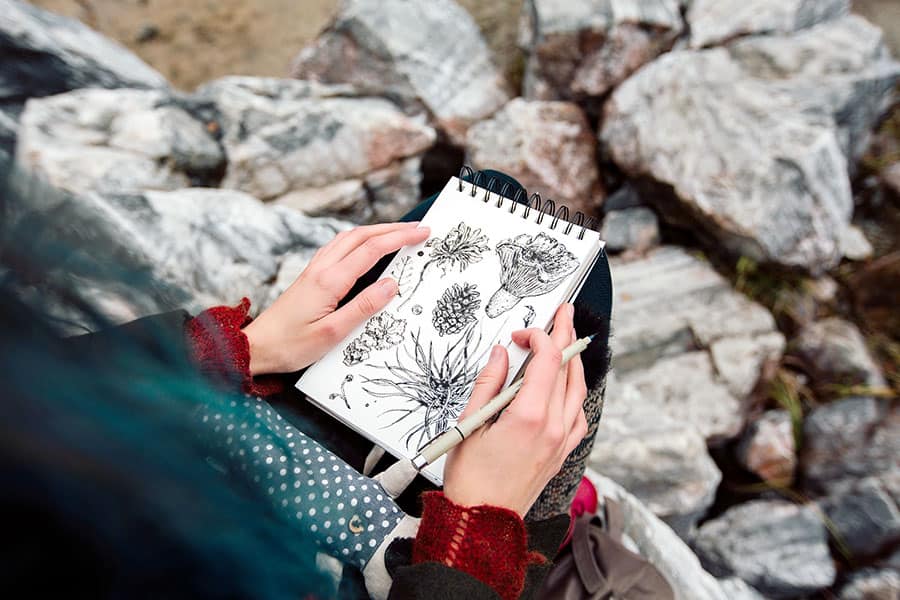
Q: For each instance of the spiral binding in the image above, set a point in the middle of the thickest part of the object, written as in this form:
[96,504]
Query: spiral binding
[545,207]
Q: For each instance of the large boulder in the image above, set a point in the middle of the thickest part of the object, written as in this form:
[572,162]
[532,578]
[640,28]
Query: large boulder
[111,141]
[752,141]
[42,54]
[714,22]
[660,545]
[847,440]
[656,457]
[872,584]
[834,351]
[422,55]
[319,148]
[778,547]
[842,68]
[547,146]
[681,331]
[189,248]
[762,178]
[587,47]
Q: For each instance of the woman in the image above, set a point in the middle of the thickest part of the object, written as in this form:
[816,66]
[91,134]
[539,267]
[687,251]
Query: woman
[109,449]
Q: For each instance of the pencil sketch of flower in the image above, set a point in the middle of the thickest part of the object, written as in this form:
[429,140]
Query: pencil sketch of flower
[382,331]
[343,393]
[529,316]
[461,247]
[402,273]
[529,266]
[435,384]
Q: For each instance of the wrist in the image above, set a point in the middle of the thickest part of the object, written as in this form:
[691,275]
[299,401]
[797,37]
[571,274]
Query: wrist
[263,352]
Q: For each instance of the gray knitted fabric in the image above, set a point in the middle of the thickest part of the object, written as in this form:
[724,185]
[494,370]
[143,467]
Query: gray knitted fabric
[559,492]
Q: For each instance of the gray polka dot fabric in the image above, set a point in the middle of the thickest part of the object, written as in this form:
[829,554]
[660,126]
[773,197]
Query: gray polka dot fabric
[319,495]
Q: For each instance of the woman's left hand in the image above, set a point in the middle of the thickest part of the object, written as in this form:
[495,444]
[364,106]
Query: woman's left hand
[304,322]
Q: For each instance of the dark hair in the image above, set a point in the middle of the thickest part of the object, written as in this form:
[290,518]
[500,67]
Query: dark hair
[104,476]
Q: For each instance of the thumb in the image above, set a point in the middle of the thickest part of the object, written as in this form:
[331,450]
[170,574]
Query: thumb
[489,382]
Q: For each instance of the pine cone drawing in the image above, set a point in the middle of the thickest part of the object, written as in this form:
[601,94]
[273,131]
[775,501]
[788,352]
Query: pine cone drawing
[456,308]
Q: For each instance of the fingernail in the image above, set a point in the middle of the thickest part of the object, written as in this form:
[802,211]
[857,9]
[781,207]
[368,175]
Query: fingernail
[411,223]
[388,287]
[495,353]
[570,308]
[424,228]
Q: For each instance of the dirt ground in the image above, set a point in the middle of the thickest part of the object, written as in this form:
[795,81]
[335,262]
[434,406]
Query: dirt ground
[193,41]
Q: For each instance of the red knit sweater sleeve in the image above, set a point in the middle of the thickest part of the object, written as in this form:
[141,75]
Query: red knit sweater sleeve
[221,350]
[487,542]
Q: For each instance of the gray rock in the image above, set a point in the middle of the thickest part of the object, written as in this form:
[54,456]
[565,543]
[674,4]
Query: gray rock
[779,548]
[635,229]
[42,54]
[547,146]
[661,546]
[737,589]
[717,21]
[854,244]
[834,351]
[872,584]
[680,328]
[842,68]
[865,517]
[317,146]
[759,175]
[9,124]
[659,459]
[113,141]
[587,47]
[768,448]
[891,178]
[195,247]
[421,55]
[847,440]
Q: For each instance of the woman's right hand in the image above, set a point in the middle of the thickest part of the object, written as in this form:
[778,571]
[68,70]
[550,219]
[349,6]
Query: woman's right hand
[508,463]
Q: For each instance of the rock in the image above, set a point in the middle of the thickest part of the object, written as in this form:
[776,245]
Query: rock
[834,351]
[661,546]
[736,588]
[841,68]
[865,518]
[741,359]
[872,584]
[763,178]
[547,146]
[671,310]
[779,548]
[624,197]
[847,440]
[716,21]
[854,244]
[635,229]
[768,449]
[45,54]
[118,141]
[587,47]
[660,460]
[195,247]
[9,124]
[440,64]
[319,149]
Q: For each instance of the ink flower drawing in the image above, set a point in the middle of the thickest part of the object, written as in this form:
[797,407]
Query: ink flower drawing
[462,246]
[383,331]
[456,308]
[529,266]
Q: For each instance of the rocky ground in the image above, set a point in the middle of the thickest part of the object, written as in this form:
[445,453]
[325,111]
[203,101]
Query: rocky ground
[743,157]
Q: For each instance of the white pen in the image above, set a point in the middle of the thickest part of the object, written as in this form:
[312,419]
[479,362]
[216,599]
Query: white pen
[456,434]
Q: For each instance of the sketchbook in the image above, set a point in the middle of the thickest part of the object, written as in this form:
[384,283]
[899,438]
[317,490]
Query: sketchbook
[491,266]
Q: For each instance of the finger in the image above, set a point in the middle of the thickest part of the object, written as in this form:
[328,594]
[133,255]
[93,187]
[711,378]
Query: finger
[576,391]
[345,241]
[370,251]
[576,434]
[531,403]
[489,382]
[561,336]
[522,337]
[341,322]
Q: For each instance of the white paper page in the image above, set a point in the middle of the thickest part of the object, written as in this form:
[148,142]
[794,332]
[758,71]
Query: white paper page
[405,375]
